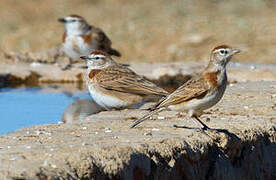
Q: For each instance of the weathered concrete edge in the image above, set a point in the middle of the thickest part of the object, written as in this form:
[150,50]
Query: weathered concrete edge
[224,156]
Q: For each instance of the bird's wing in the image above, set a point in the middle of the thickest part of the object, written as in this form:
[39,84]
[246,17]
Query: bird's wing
[99,37]
[194,88]
[122,79]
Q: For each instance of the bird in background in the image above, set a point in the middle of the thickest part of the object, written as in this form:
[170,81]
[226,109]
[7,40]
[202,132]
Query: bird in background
[80,38]
[114,86]
[201,92]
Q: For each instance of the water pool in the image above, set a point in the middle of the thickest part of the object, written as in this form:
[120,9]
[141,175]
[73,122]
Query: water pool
[33,106]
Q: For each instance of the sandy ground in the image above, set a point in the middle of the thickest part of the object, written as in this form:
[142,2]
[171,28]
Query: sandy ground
[148,31]
[104,146]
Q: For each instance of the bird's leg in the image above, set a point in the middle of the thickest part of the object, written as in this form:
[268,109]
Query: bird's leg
[198,121]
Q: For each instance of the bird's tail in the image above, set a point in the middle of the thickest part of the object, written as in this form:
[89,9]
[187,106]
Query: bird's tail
[114,52]
[146,117]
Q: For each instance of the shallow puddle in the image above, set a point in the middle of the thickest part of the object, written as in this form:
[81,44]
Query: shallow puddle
[33,106]
[23,107]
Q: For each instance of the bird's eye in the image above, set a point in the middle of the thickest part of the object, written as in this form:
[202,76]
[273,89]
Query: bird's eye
[97,58]
[73,20]
[222,51]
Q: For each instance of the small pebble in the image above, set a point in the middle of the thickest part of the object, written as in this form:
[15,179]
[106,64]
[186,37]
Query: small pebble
[160,117]
[245,107]
[107,130]
[148,134]
[28,147]
[155,129]
[38,132]
[53,166]
[84,128]
[12,159]
[96,133]
[52,149]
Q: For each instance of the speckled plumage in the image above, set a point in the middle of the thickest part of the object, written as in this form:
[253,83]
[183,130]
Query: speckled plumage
[201,92]
[114,86]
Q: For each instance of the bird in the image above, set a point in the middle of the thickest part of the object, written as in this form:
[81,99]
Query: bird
[114,86]
[200,92]
[80,38]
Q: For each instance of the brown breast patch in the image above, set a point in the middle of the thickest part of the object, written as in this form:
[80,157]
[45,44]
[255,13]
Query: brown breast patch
[63,37]
[93,73]
[87,38]
[211,78]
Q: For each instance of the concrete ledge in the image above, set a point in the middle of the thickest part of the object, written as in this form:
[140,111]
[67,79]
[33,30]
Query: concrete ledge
[103,147]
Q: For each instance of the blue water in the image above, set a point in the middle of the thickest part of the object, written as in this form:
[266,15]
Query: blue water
[33,106]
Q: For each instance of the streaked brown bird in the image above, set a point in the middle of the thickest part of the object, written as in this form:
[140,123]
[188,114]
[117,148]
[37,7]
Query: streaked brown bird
[114,86]
[201,92]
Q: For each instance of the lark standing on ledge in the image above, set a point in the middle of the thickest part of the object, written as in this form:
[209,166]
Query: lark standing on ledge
[200,92]
[80,38]
[114,86]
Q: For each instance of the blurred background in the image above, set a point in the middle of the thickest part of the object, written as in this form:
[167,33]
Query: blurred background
[148,31]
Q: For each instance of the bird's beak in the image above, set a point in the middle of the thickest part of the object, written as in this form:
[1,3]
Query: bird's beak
[62,20]
[84,57]
[235,51]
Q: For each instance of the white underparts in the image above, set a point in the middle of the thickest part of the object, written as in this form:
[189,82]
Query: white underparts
[75,46]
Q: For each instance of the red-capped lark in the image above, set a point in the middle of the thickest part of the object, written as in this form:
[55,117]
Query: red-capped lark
[114,86]
[201,92]
[80,38]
